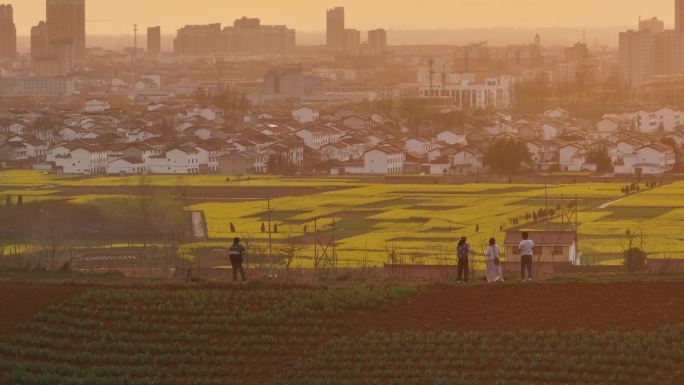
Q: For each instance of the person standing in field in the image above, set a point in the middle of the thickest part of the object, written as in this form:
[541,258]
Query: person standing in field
[463,254]
[526,251]
[237,257]
[492,254]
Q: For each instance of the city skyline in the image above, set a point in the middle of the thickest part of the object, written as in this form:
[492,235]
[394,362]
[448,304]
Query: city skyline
[108,18]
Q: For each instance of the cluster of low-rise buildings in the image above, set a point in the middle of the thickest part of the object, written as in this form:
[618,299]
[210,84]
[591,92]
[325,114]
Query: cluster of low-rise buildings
[342,141]
[232,100]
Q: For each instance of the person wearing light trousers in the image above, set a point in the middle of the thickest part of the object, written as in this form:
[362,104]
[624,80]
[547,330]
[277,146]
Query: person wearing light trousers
[493,255]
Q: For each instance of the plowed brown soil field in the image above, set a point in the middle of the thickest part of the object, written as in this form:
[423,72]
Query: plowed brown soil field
[19,302]
[537,306]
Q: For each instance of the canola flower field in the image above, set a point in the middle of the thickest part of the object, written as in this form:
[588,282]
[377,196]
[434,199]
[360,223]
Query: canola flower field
[422,222]
[417,223]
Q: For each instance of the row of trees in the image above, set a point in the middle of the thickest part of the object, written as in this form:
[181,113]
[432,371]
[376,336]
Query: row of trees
[540,215]
[636,187]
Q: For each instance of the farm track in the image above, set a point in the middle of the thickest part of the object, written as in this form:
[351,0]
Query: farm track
[606,205]
[199,193]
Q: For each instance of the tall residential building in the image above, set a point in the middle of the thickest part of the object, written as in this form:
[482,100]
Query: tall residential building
[377,41]
[58,62]
[352,40]
[335,28]
[198,39]
[66,19]
[652,25]
[645,54]
[62,52]
[637,54]
[40,41]
[652,53]
[8,32]
[248,35]
[154,40]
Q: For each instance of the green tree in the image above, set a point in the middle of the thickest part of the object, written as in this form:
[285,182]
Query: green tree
[634,255]
[505,156]
[601,158]
[669,141]
[46,124]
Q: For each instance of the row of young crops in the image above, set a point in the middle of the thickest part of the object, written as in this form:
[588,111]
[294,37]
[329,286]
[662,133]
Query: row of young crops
[140,336]
[526,358]
[302,337]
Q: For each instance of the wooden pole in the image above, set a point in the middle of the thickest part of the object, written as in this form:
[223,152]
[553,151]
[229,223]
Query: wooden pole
[546,198]
[315,244]
[270,244]
[334,253]
[576,227]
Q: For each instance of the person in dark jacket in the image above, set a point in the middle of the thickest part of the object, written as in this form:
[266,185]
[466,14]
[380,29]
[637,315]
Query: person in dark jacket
[463,254]
[237,257]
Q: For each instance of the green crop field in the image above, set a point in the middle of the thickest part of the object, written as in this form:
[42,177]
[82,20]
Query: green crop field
[580,357]
[314,336]
[416,223]
[198,337]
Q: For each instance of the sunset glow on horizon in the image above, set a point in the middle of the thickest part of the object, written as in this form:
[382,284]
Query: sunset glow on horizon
[116,17]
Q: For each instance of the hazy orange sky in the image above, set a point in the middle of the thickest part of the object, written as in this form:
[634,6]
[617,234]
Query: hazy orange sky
[362,14]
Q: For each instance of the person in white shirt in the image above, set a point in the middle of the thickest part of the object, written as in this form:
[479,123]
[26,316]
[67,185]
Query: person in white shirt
[492,254]
[526,251]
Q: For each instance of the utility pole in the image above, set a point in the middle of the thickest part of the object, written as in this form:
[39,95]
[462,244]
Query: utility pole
[135,52]
[334,252]
[576,225]
[316,244]
[431,74]
[270,243]
[546,198]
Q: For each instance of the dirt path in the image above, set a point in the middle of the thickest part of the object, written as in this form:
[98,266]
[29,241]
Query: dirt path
[203,193]
[606,205]
[198,225]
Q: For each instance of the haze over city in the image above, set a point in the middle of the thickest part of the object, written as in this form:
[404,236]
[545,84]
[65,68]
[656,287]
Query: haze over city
[305,15]
[308,192]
